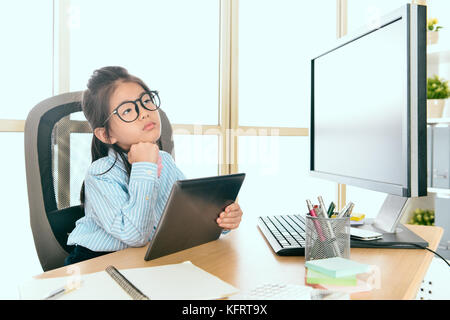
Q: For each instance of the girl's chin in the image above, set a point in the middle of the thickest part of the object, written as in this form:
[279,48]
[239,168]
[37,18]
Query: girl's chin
[147,138]
[150,137]
[155,133]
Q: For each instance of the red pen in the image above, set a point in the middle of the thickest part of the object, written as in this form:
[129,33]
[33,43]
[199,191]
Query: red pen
[311,210]
[316,223]
[316,209]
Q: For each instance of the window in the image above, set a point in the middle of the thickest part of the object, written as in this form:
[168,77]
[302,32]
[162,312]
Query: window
[26,56]
[172,45]
[26,62]
[277,179]
[277,39]
[20,261]
[196,155]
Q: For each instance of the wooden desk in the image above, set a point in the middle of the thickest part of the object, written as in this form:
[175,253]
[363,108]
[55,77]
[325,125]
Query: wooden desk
[244,259]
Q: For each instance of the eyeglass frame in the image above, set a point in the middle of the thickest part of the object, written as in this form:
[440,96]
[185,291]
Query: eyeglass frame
[152,93]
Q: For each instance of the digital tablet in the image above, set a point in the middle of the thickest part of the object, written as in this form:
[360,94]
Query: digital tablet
[190,214]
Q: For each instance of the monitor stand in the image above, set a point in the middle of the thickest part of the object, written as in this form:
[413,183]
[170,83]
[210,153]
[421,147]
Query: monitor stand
[395,234]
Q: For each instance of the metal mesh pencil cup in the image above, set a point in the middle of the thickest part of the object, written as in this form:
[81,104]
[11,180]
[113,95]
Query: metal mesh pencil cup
[327,238]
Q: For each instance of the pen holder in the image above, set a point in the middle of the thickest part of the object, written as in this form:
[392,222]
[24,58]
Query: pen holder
[327,238]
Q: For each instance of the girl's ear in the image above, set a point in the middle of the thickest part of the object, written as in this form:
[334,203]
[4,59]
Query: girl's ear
[101,135]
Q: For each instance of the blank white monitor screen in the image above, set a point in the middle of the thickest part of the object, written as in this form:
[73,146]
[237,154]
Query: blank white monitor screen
[360,98]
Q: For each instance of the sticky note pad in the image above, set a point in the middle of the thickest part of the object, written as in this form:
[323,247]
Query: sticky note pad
[357,216]
[337,267]
[314,277]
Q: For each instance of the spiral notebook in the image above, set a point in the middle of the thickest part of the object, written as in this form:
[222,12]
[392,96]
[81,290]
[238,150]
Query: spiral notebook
[174,282]
[125,284]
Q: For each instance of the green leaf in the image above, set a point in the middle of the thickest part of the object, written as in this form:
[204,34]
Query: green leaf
[437,88]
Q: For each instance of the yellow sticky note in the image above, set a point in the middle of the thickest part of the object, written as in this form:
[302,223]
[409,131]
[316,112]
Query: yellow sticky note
[357,216]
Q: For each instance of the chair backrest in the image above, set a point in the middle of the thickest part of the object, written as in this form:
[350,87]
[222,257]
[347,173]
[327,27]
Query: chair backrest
[57,156]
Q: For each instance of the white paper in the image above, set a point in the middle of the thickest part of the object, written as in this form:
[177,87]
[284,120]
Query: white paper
[175,281]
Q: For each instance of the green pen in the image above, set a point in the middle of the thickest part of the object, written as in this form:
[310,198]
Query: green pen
[331,209]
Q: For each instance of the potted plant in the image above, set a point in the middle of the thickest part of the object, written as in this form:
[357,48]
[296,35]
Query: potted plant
[437,92]
[432,31]
[424,217]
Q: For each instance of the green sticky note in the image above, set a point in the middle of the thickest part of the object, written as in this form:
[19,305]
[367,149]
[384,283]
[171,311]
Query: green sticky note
[314,277]
[337,267]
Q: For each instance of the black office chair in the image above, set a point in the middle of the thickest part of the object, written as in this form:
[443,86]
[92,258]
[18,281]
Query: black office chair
[57,156]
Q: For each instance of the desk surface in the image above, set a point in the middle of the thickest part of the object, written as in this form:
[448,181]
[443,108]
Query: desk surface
[244,259]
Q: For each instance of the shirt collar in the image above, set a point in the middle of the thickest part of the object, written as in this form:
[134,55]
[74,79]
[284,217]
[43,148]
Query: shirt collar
[112,155]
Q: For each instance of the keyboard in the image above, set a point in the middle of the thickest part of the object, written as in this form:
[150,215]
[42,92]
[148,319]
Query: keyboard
[285,233]
[278,291]
[282,291]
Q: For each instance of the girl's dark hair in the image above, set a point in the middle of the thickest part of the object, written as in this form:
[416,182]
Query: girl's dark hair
[95,104]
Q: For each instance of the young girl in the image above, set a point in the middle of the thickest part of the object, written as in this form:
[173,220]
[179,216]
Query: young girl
[129,181]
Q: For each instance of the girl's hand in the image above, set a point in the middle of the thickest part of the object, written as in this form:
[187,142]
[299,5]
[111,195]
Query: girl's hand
[231,217]
[143,152]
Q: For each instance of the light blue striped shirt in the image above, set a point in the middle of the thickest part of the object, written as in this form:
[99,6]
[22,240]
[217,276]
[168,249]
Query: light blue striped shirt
[122,211]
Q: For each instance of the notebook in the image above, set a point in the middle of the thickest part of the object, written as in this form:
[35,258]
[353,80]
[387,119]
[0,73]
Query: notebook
[174,281]
[337,267]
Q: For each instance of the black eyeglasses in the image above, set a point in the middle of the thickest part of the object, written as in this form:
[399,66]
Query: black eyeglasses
[128,111]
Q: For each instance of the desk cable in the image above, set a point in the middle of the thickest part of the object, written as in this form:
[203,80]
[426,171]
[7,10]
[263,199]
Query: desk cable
[399,245]
[445,260]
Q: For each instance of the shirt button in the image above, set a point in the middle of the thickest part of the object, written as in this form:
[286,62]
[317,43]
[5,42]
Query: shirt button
[149,172]
[146,198]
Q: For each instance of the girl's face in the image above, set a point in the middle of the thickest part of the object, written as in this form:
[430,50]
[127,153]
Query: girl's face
[146,128]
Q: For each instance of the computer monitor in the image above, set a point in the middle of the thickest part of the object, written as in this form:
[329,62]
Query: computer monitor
[368,111]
